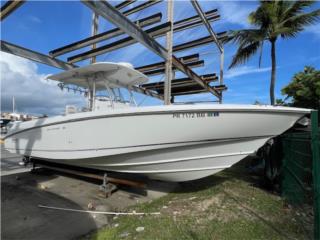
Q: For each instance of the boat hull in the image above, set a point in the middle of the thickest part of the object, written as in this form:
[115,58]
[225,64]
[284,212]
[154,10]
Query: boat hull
[182,163]
[173,144]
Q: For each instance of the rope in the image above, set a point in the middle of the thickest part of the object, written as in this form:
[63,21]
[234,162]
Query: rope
[99,212]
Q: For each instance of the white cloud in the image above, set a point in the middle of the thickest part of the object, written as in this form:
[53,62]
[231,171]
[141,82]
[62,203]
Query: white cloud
[244,70]
[236,12]
[34,19]
[314,29]
[33,94]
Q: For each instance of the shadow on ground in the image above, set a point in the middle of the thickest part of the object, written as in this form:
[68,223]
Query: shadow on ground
[238,171]
[21,217]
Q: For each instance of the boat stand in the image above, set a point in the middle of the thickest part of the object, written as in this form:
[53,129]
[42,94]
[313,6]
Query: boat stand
[108,186]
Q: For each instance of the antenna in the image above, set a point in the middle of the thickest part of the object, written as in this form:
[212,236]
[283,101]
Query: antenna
[13,104]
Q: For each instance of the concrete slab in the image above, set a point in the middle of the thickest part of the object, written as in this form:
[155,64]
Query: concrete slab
[22,192]
[10,163]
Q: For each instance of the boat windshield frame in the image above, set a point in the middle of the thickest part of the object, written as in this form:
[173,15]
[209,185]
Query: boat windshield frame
[111,94]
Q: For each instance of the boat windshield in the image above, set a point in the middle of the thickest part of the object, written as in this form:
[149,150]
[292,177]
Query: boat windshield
[119,95]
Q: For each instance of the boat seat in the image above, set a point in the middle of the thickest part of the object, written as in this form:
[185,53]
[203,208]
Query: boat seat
[70,109]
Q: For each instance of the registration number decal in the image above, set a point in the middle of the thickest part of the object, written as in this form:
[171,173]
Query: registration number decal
[195,114]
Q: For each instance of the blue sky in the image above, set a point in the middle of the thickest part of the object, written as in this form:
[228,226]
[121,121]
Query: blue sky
[46,25]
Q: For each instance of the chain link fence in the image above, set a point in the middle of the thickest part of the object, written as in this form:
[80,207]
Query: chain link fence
[301,174]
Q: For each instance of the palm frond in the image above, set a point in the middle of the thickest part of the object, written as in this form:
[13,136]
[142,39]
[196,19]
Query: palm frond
[296,24]
[244,36]
[303,19]
[294,8]
[260,55]
[244,52]
[285,32]
[261,16]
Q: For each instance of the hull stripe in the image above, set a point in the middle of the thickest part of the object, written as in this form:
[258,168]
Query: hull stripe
[147,145]
[174,170]
[174,160]
[266,111]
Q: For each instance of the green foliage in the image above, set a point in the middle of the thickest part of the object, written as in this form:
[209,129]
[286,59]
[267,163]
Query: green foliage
[281,102]
[304,89]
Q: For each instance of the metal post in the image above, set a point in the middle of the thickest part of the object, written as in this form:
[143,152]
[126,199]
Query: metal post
[167,85]
[94,31]
[173,77]
[315,146]
[215,38]
[221,72]
[89,98]
[93,95]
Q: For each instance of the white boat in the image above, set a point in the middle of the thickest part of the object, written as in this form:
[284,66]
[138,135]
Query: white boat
[171,143]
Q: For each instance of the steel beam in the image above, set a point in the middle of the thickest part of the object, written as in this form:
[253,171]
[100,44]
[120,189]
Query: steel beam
[141,7]
[197,42]
[182,67]
[155,66]
[180,82]
[34,56]
[163,70]
[191,24]
[107,11]
[143,22]
[213,12]
[214,36]
[168,64]
[154,32]
[124,4]
[221,72]
[9,7]
[178,26]
[114,32]
[94,31]
[178,91]
[147,92]
[196,91]
[184,86]
[207,24]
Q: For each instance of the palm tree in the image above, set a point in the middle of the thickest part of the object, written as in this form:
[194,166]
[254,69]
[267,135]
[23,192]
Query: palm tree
[272,19]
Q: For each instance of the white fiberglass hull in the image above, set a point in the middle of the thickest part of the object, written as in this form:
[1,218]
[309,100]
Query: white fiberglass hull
[175,143]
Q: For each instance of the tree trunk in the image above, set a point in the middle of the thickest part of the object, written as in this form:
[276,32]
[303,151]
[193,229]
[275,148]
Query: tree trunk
[273,71]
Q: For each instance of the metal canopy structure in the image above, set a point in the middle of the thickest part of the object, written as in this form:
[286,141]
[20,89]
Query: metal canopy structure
[118,15]
[182,86]
[9,7]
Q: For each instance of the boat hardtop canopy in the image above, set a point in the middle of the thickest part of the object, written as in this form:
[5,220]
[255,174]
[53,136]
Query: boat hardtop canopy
[115,75]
